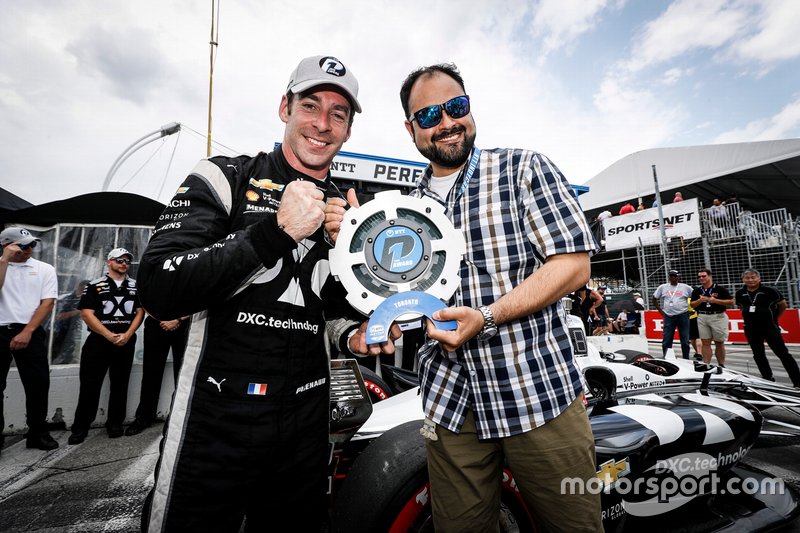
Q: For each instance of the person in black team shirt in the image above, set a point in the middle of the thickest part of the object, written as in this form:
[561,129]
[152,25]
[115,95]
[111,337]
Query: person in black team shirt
[761,307]
[159,337]
[110,308]
[710,300]
[242,249]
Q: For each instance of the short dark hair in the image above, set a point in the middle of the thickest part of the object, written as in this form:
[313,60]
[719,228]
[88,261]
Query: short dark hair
[290,97]
[450,69]
[706,270]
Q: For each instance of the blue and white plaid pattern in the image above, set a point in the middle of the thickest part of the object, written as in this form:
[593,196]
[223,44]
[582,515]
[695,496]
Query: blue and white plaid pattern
[518,210]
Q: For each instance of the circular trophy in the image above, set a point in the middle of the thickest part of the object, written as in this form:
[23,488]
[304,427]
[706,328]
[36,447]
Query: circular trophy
[398,258]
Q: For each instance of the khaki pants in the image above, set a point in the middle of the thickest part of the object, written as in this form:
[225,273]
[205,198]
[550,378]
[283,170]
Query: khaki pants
[465,475]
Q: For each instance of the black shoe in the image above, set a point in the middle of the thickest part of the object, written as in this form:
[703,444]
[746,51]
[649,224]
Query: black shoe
[41,442]
[77,436]
[136,427]
[114,432]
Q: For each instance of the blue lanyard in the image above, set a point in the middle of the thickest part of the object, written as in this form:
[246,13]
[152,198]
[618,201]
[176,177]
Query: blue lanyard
[470,171]
[473,164]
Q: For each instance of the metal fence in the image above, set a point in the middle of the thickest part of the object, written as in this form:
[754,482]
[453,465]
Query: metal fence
[732,240]
[78,253]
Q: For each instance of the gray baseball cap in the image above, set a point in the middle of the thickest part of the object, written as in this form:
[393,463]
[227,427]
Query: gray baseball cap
[324,70]
[17,235]
[119,252]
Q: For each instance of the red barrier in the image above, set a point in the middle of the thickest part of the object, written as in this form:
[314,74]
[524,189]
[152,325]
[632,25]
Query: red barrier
[789,322]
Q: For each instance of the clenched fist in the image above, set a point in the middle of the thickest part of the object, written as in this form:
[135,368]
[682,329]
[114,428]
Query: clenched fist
[302,209]
[335,210]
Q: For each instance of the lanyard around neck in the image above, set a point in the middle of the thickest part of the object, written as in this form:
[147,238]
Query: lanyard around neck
[468,171]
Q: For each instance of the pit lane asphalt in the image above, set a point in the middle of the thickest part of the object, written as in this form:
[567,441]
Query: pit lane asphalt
[100,485]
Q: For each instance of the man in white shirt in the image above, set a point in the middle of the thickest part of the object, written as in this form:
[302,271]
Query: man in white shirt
[28,291]
[672,301]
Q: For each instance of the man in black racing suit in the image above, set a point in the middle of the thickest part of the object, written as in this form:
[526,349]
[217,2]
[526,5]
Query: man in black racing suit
[241,247]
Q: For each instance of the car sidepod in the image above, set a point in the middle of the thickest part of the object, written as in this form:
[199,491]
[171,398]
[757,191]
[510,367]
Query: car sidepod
[670,460]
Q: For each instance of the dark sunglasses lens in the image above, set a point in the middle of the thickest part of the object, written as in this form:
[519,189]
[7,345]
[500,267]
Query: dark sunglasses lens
[26,246]
[429,116]
[457,107]
[123,261]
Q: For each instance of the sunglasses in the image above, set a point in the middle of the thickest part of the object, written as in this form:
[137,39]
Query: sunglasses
[30,245]
[121,261]
[430,116]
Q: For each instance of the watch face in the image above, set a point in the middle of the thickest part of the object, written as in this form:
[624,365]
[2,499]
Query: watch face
[486,334]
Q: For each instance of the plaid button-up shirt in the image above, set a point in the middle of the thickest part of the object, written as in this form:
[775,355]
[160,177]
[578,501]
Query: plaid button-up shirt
[516,211]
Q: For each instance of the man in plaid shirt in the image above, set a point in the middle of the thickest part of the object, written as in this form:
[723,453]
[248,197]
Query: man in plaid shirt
[503,385]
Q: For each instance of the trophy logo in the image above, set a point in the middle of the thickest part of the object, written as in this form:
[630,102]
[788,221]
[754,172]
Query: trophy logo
[398,258]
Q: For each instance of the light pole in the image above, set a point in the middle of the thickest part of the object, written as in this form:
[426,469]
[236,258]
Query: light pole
[163,131]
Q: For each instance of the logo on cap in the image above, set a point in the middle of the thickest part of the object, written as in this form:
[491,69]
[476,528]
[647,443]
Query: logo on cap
[332,66]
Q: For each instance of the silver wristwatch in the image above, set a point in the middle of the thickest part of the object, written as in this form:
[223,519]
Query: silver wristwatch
[489,327]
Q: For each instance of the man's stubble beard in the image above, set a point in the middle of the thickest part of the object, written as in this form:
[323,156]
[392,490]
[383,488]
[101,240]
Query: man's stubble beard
[451,156]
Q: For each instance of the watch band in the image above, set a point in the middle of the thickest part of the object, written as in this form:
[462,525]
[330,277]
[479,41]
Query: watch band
[489,326]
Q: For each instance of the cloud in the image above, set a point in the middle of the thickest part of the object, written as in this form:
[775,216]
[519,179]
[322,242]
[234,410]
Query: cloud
[128,60]
[784,124]
[685,26]
[82,80]
[775,38]
[561,22]
[673,75]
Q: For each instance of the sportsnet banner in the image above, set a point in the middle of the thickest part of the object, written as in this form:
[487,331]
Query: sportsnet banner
[624,231]
[789,322]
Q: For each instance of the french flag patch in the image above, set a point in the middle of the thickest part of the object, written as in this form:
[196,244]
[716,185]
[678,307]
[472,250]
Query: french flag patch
[259,389]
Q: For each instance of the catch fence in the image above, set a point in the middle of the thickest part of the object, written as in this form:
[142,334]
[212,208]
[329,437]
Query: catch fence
[731,240]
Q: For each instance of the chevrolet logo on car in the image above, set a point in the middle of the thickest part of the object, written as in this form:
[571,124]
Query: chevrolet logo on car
[611,471]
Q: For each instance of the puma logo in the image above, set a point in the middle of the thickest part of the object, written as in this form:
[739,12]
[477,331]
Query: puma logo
[215,382]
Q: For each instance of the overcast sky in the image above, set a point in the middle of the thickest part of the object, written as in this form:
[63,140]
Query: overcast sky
[585,82]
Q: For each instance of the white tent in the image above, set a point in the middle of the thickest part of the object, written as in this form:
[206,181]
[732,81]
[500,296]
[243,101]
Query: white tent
[763,175]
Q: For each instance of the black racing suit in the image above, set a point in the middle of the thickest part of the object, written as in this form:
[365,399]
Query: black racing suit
[248,430]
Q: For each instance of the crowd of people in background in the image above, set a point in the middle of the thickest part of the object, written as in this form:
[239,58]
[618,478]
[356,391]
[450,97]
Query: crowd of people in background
[109,307]
[717,210]
[699,316]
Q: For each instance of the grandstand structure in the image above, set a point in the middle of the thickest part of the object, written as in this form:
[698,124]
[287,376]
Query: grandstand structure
[759,226]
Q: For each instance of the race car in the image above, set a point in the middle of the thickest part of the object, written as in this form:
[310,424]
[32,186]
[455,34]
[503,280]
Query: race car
[628,372]
[667,459]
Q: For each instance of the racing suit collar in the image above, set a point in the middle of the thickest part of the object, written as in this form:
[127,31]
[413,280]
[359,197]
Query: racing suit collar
[293,174]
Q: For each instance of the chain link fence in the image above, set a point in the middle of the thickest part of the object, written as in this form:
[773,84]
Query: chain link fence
[732,239]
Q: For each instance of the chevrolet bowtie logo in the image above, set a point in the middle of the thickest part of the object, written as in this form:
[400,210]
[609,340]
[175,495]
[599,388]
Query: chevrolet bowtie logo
[611,471]
[266,183]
